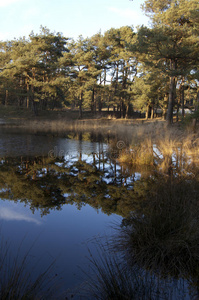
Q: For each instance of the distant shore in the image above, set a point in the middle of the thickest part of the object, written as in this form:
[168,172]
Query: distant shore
[57,121]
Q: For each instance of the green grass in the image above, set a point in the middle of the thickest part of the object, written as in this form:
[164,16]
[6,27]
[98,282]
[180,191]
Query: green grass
[17,113]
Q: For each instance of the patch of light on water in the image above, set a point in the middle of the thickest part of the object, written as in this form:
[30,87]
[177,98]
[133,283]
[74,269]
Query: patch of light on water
[108,180]
[130,179]
[157,152]
[66,195]
[4,190]
[59,164]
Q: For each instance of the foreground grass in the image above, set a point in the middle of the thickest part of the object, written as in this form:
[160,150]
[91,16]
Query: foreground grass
[154,253]
[111,277]
[16,279]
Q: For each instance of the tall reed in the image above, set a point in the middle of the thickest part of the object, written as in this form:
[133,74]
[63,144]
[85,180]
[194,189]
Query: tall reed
[166,149]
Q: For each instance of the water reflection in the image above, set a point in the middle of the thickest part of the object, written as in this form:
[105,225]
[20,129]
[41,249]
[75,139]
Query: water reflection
[11,214]
[158,237]
[14,144]
[47,183]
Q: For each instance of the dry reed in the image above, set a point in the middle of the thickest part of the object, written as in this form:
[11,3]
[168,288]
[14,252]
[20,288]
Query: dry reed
[164,148]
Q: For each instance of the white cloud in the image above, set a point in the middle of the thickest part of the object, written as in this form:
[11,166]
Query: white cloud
[4,3]
[11,215]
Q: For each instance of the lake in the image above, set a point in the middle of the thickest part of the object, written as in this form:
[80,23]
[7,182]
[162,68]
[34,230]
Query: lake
[67,201]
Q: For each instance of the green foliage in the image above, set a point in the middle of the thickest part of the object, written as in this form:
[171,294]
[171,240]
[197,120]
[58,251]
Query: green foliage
[119,69]
[31,74]
[171,43]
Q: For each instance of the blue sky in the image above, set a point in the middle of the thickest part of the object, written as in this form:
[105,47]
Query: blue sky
[71,17]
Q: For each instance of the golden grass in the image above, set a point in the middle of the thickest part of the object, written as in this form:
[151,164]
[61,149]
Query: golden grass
[165,148]
[141,154]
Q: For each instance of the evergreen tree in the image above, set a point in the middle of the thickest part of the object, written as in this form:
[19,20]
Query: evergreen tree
[171,42]
[33,68]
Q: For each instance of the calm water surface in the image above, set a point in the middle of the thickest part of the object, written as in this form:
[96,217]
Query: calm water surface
[61,197]
[62,234]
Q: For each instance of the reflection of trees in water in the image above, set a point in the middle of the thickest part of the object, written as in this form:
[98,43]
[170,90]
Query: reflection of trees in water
[159,231]
[32,181]
[48,183]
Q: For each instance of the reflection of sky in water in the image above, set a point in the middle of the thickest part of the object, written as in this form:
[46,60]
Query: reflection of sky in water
[9,214]
[62,235]
[65,234]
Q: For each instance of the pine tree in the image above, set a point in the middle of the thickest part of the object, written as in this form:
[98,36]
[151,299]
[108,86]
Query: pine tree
[33,69]
[172,41]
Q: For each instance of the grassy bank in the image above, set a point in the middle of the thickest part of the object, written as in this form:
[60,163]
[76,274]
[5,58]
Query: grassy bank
[59,121]
[20,114]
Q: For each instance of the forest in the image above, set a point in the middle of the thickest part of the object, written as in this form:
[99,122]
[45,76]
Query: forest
[151,69]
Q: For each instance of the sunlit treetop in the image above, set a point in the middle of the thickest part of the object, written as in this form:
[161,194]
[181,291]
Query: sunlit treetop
[170,11]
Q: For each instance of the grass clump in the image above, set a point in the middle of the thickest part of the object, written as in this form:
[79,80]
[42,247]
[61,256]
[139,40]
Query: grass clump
[111,278]
[139,154]
[166,149]
[162,235]
[16,279]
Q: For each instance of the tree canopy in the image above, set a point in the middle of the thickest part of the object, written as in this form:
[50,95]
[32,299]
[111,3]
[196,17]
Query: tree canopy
[121,69]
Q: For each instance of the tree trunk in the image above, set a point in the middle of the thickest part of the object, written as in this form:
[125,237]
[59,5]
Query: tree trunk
[152,112]
[171,100]
[148,111]
[123,110]
[196,110]
[6,98]
[177,114]
[27,99]
[99,100]
[33,102]
[171,94]
[182,97]
[127,111]
[80,105]
[93,101]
